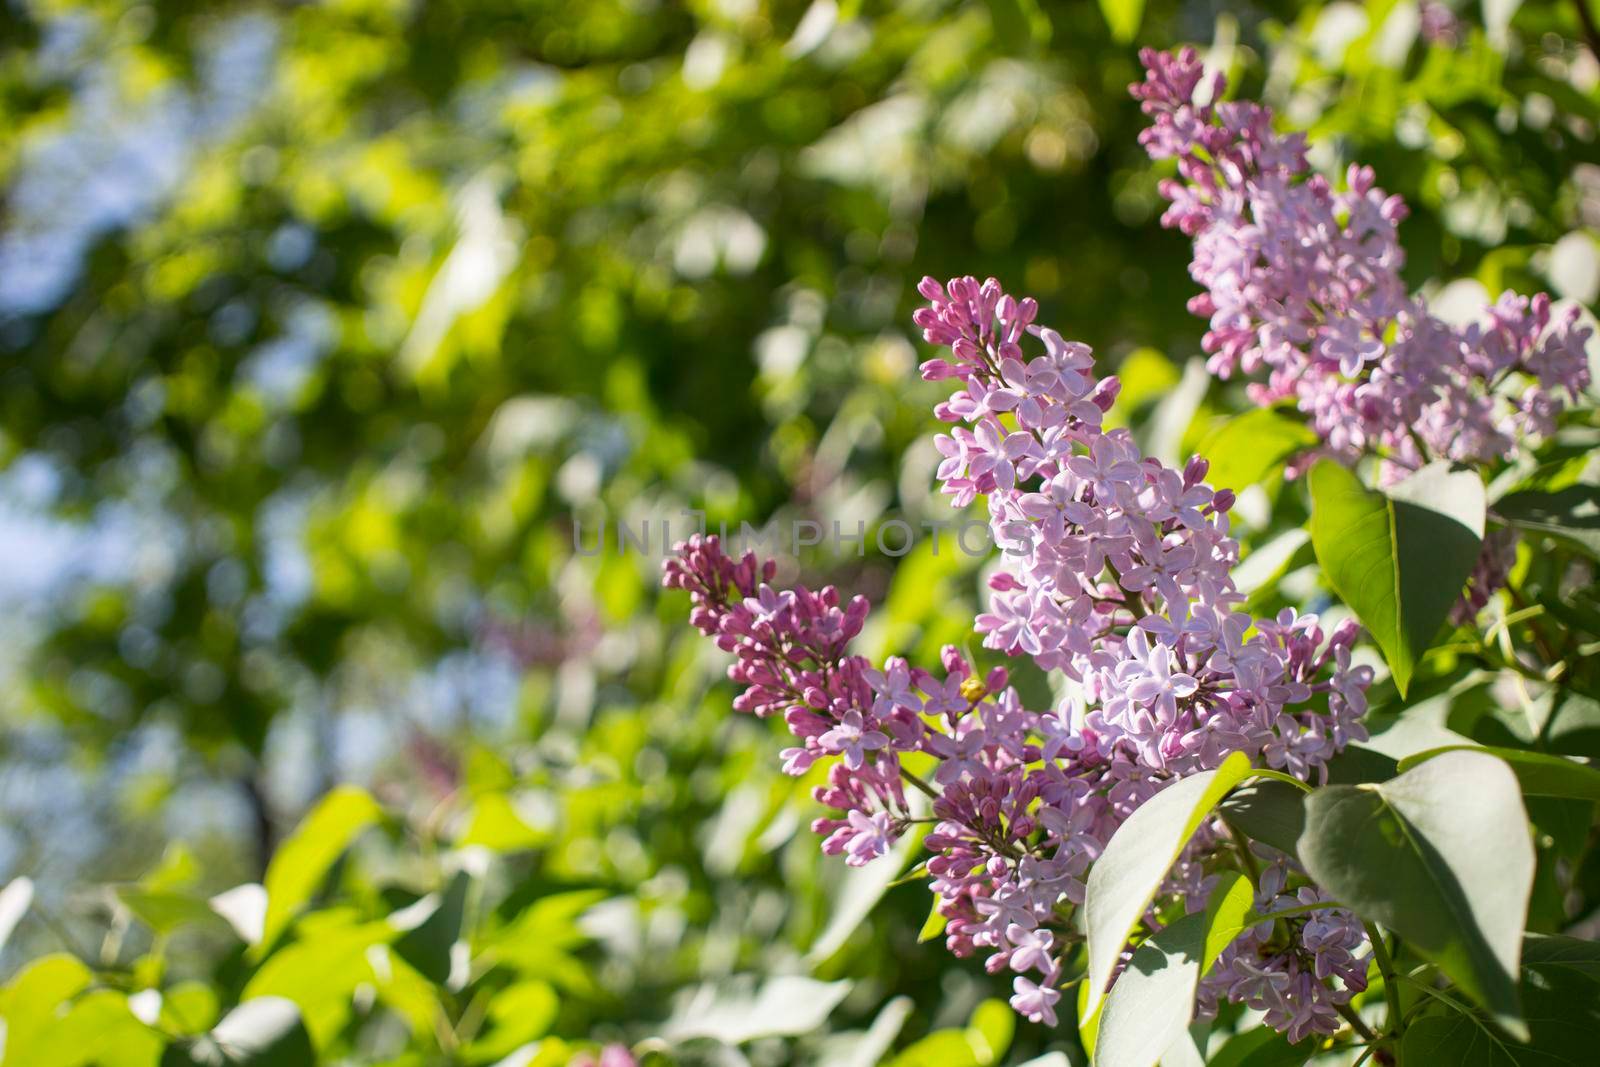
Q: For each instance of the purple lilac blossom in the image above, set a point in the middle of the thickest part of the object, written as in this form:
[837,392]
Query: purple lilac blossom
[1118,575]
[1302,288]
[1302,285]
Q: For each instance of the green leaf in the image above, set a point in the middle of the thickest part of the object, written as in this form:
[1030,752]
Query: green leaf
[303,860]
[1571,514]
[1398,559]
[164,911]
[859,891]
[1256,574]
[1154,997]
[189,1008]
[435,928]
[1273,812]
[1229,912]
[1539,774]
[98,1030]
[1135,861]
[1248,447]
[497,823]
[1019,25]
[942,1048]
[1442,856]
[320,970]
[1147,375]
[261,1032]
[31,1001]
[1123,16]
[519,1013]
[1556,950]
[1563,1014]
[1262,1047]
[993,1025]
[537,942]
[1088,1021]
[1149,1007]
[1267,811]
[1573,727]
[934,924]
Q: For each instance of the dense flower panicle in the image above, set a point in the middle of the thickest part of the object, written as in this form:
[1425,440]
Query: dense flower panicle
[1117,574]
[1119,568]
[1282,967]
[1302,288]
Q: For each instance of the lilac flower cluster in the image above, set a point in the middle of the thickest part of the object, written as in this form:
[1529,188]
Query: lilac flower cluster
[1302,284]
[1118,575]
[1281,967]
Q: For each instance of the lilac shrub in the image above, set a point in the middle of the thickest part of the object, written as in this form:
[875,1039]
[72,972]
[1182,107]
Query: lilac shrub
[1117,574]
[1302,289]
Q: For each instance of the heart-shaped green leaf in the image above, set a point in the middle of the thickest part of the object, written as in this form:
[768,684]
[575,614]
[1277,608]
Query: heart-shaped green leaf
[1563,1014]
[1398,558]
[1442,856]
[1538,773]
[1136,860]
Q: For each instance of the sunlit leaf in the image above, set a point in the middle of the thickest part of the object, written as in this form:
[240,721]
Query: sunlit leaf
[1125,878]
[519,1013]
[1229,913]
[1123,16]
[1538,774]
[1248,447]
[933,926]
[98,1030]
[303,860]
[1398,558]
[1149,1007]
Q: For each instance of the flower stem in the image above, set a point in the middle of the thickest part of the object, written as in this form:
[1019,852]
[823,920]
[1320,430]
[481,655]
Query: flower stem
[1356,1023]
[919,783]
[1395,1024]
[1246,857]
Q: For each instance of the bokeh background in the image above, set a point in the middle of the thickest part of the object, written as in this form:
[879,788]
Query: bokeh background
[324,328]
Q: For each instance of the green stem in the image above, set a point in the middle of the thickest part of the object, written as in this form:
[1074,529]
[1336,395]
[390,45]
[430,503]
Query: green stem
[919,783]
[1247,858]
[1395,1024]
[1356,1023]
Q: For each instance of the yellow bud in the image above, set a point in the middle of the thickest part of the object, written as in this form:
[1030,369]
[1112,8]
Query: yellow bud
[973,688]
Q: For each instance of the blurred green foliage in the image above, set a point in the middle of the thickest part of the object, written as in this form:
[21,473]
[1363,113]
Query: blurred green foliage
[325,330]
